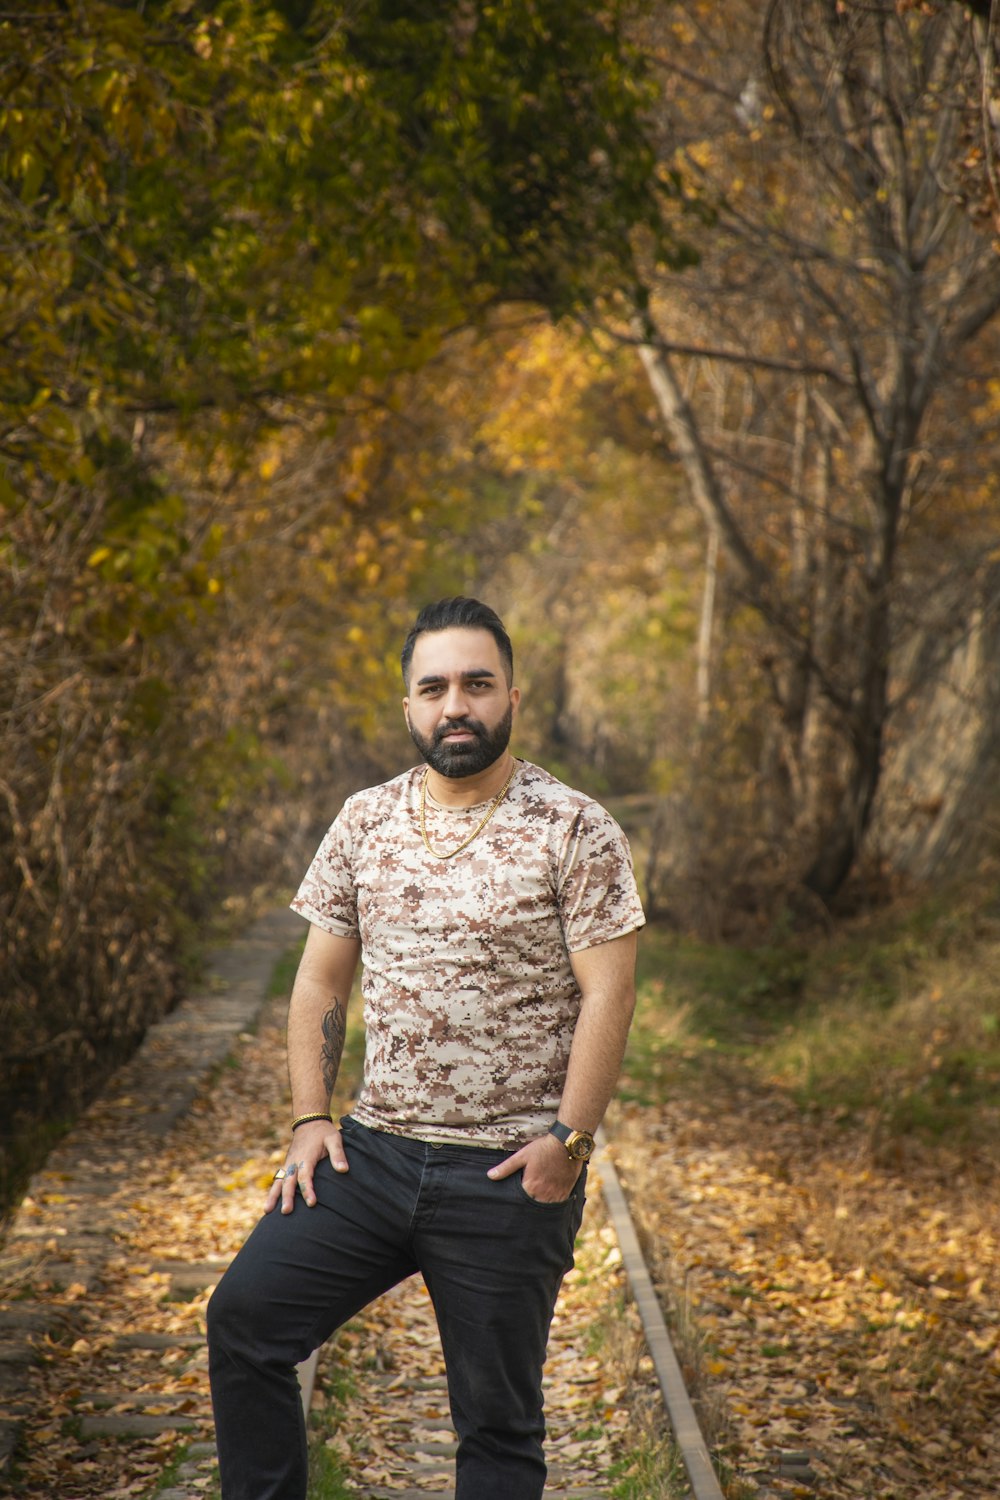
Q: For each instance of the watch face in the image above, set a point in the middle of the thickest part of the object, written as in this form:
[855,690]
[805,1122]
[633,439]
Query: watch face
[580,1147]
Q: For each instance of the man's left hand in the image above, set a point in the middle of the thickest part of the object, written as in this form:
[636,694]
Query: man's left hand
[549,1174]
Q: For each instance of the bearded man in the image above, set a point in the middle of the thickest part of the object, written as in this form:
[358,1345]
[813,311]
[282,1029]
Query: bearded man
[495,914]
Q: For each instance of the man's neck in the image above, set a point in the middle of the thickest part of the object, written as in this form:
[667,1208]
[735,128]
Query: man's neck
[466,791]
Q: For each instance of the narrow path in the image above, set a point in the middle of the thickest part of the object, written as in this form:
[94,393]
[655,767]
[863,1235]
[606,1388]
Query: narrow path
[107,1269]
[396,1433]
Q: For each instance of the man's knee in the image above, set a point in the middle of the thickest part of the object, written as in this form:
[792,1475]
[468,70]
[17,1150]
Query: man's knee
[237,1312]
[227,1309]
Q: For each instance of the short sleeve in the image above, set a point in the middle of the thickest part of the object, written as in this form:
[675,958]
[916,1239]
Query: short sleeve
[327,896]
[597,893]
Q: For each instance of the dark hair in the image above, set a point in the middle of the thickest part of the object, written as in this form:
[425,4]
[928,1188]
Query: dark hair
[468,614]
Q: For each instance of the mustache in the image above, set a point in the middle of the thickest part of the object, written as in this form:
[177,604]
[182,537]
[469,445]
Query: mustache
[473,726]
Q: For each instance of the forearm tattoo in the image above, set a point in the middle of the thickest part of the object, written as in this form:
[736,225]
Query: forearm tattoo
[334,1031]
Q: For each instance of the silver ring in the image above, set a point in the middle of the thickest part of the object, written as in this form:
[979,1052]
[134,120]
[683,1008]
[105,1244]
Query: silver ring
[280,1175]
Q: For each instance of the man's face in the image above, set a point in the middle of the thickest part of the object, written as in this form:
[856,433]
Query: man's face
[459,709]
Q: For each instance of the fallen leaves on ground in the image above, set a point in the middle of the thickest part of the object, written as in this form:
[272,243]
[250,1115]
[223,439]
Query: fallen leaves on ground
[839,1307]
[840,1311]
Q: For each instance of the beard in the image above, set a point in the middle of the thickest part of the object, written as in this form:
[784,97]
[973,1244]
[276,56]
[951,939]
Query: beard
[468,757]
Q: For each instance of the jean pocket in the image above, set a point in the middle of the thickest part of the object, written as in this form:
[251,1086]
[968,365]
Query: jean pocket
[518,1179]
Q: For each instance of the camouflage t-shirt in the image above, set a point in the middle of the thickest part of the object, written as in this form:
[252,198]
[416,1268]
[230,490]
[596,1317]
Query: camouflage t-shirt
[469,999]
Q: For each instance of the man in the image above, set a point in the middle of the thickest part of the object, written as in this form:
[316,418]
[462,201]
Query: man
[495,913]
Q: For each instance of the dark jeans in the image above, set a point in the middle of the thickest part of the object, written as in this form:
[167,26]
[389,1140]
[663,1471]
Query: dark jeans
[492,1258]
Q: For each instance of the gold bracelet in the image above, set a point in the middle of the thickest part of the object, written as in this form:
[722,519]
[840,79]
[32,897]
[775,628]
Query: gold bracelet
[304,1119]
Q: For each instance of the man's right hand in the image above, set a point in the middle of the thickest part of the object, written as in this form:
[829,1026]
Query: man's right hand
[310,1143]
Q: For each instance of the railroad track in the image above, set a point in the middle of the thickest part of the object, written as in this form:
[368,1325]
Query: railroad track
[65,1246]
[683,1419]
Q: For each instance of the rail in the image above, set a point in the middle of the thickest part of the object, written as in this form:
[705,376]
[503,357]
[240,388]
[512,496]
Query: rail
[683,1418]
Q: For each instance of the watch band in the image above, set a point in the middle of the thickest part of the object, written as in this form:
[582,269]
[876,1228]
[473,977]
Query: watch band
[579,1143]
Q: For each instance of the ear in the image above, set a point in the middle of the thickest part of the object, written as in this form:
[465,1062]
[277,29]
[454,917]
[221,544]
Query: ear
[406,711]
[515,698]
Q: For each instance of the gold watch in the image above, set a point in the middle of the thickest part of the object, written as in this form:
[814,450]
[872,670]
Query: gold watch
[579,1143]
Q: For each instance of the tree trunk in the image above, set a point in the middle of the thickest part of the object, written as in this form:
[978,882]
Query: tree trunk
[706,488]
[841,839]
[704,674]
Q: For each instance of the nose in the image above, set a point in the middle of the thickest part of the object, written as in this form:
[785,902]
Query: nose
[456,703]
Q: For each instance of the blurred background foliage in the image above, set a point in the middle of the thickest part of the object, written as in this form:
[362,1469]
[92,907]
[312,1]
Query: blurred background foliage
[314,310]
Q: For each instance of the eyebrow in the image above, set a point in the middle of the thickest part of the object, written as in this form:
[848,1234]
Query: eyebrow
[433,677]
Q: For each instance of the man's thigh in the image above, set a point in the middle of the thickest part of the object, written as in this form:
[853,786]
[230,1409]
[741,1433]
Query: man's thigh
[302,1275]
[494,1260]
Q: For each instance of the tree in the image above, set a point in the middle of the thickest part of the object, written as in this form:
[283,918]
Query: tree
[227,231]
[845,289]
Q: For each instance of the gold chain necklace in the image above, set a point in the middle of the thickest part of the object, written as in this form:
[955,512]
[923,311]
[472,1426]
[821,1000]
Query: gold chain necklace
[450,853]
